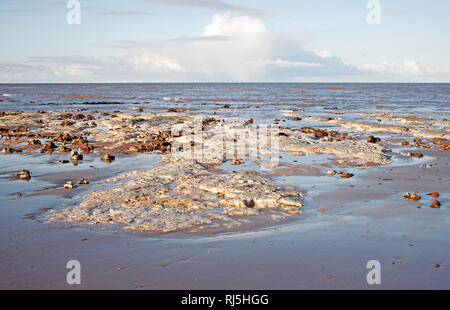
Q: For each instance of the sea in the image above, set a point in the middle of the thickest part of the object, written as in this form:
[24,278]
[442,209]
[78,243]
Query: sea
[232,99]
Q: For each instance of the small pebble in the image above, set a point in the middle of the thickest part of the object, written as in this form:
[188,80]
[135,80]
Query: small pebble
[435,204]
[347,175]
[7,150]
[24,175]
[373,139]
[84,181]
[108,158]
[68,185]
[412,196]
[236,162]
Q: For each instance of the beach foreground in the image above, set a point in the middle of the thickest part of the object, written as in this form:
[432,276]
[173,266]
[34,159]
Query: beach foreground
[292,196]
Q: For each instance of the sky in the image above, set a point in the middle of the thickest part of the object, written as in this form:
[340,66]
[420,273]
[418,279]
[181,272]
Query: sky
[224,41]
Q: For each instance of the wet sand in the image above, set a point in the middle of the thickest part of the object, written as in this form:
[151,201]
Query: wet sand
[345,223]
[324,251]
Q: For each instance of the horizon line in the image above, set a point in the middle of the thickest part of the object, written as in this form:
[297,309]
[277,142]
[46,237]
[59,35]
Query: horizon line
[10,83]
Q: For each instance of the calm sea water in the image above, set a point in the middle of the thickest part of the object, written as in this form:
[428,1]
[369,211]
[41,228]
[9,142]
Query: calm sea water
[244,99]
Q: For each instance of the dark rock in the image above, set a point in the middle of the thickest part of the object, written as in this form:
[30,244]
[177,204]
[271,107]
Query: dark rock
[74,156]
[7,150]
[249,203]
[34,142]
[83,181]
[347,175]
[373,139]
[24,175]
[435,204]
[108,158]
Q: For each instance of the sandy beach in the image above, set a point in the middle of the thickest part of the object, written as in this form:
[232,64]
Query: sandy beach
[174,196]
[225,153]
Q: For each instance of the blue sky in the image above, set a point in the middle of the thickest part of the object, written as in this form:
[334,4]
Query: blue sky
[224,40]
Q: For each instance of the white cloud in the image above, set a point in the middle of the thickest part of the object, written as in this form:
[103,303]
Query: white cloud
[230,48]
[145,62]
[322,53]
[72,70]
[283,63]
[240,26]
[402,71]
[403,68]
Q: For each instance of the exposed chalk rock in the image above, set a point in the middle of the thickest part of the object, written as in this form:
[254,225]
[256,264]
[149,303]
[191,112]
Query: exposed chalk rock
[180,195]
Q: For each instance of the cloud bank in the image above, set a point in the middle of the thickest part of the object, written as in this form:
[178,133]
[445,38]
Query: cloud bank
[229,49]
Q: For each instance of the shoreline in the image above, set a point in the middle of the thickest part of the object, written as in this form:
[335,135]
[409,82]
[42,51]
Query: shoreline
[339,214]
